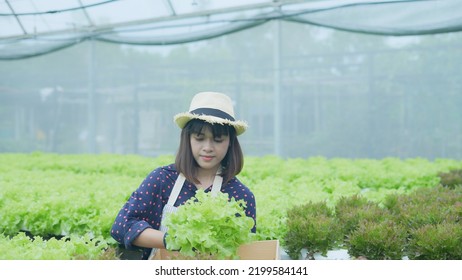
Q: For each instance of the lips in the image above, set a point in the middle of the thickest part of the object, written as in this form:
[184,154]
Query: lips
[206,158]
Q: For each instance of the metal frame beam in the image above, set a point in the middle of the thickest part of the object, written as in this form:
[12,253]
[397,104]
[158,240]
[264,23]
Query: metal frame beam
[108,27]
[16,17]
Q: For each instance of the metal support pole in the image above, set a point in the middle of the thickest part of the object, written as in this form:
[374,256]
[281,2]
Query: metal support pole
[91,121]
[277,86]
[136,113]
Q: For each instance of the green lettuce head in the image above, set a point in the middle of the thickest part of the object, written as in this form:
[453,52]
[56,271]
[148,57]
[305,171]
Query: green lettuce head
[209,226]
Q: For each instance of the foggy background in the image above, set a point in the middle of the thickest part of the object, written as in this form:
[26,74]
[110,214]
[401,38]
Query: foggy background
[304,91]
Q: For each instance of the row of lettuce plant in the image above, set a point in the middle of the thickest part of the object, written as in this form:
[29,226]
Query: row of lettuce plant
[63,195]
[423,224]
[21,246]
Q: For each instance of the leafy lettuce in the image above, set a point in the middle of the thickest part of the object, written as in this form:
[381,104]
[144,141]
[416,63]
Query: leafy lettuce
[209,227]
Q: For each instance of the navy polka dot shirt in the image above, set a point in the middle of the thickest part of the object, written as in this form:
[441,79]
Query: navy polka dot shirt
[144,207]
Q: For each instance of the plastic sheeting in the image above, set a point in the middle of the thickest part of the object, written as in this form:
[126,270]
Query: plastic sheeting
[396,18]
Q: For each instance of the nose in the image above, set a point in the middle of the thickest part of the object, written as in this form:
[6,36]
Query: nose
[208,145]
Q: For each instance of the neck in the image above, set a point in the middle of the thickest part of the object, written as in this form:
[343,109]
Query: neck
[206,176]
[207,172]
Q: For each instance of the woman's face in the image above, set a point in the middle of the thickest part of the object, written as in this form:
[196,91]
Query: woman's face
[207,150]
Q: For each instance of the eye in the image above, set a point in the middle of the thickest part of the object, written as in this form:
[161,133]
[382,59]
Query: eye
[198,137]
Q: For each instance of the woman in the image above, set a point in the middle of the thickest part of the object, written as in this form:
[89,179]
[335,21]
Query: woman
[209,158]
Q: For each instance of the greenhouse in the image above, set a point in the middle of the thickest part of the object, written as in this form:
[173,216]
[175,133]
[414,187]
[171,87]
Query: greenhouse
[352,107]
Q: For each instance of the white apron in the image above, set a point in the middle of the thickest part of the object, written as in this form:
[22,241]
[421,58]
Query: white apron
[170,208]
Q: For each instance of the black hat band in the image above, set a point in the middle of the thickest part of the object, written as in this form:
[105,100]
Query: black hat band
[212,112]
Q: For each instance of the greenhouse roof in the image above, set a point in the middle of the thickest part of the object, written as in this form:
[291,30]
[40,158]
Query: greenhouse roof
[31,27]
[28,17]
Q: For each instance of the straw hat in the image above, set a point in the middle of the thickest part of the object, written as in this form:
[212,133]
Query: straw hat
[212,107]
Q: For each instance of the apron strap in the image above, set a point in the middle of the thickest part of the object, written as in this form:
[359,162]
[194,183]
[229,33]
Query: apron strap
[176,189]
[216,187]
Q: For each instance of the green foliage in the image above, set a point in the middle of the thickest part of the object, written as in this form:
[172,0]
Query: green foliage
[436,242]
[310,209]
[50,194]
[451,179]
[426,206]
[378,241]
[63,195]
[22,247]
[311,226]
[352,211]
[429,218]
[209,226]
[370,231]
[287,183]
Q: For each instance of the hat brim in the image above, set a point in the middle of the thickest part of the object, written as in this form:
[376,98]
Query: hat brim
[183,118]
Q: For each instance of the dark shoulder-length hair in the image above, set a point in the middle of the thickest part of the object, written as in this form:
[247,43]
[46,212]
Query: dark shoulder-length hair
[232,163]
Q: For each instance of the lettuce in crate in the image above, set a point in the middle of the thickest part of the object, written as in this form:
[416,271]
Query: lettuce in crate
[209,226]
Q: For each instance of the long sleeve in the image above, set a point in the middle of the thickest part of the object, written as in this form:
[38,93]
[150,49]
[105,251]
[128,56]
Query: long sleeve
[143,209]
